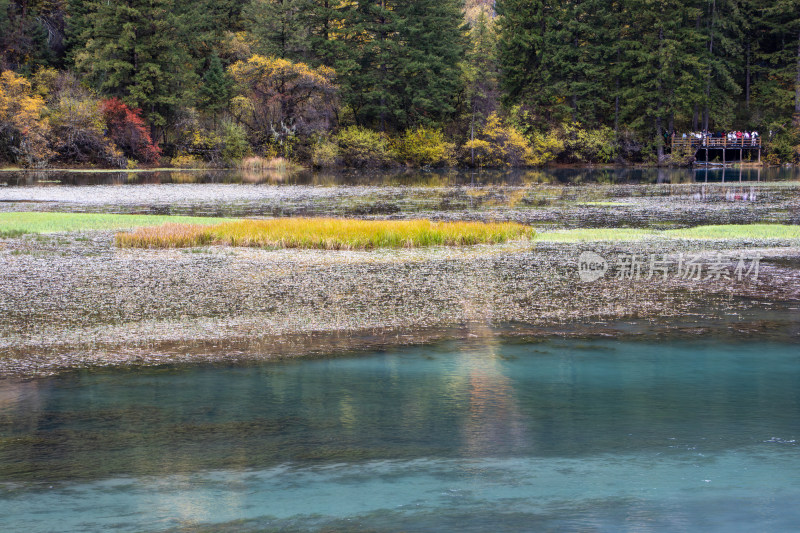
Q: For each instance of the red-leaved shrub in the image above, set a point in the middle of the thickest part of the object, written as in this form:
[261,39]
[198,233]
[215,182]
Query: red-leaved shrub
[129,132]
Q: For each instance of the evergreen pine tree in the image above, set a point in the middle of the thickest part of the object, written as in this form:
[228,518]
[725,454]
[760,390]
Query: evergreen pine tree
[662,70]
[435,41]
[322,19]
[520,52]
[481,71]
[399,65]
[24,45]
[215,92]
[778,84]
[369,65]
[721,56]
[278,28]
[210,21]
[579,47]
[78,23]
[137,51]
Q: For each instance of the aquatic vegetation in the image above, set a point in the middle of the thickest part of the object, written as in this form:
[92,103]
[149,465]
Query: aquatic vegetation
[720,232]
[16,224]
[259,164]
[326,233]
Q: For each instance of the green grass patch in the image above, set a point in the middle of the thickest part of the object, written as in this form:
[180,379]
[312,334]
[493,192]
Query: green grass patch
[724,232]
[16,224]
[738,232]
[326,233]
[604,204]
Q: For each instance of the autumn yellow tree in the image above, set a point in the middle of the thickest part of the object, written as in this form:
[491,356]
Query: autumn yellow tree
[498,145]
[23,129]
[278,98]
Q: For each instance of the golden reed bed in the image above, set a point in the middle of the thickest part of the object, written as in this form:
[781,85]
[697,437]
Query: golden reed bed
[325,233]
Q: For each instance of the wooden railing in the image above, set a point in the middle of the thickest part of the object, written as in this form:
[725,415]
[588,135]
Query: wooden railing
[715,143]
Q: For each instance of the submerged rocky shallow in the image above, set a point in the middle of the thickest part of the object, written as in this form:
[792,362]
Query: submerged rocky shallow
[72,300]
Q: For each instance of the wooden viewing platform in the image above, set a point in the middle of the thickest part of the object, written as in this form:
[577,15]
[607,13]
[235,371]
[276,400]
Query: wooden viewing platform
[707,144]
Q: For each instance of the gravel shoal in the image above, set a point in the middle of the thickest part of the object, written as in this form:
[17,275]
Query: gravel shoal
[661,206]
[71,300]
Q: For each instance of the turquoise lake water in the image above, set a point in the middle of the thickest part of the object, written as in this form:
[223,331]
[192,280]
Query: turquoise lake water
[484,436]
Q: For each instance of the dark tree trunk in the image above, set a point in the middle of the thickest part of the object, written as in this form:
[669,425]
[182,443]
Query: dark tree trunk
[574,94]
[659,140]
[659,104]
[706,107]
[616,96]
[382,3]
[796,118]
[747,79]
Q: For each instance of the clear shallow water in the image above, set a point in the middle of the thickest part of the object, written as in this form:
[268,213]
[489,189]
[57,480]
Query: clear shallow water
[557,435]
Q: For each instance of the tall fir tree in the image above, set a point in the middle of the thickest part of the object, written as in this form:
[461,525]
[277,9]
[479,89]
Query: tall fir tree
[434,46]
[210,22]
[215,92]
[481,71]
[25,35]
[370,64]
[401,63]
[522,30]
[778,84]
[137,50]
[662,70]
[322,19]
[278,28]
[721,56]
[78,24]
[578,48]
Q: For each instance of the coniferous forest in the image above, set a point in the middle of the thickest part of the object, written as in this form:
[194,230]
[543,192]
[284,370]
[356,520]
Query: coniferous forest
[371,83]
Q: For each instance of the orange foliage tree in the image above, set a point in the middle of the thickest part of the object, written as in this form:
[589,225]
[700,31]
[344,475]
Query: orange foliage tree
[23,129]
[128,131]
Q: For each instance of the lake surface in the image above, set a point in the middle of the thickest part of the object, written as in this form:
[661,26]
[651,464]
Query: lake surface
[557,435]
[409,178]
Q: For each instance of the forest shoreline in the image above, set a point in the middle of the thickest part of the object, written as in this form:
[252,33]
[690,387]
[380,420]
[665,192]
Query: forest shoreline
[565,166]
